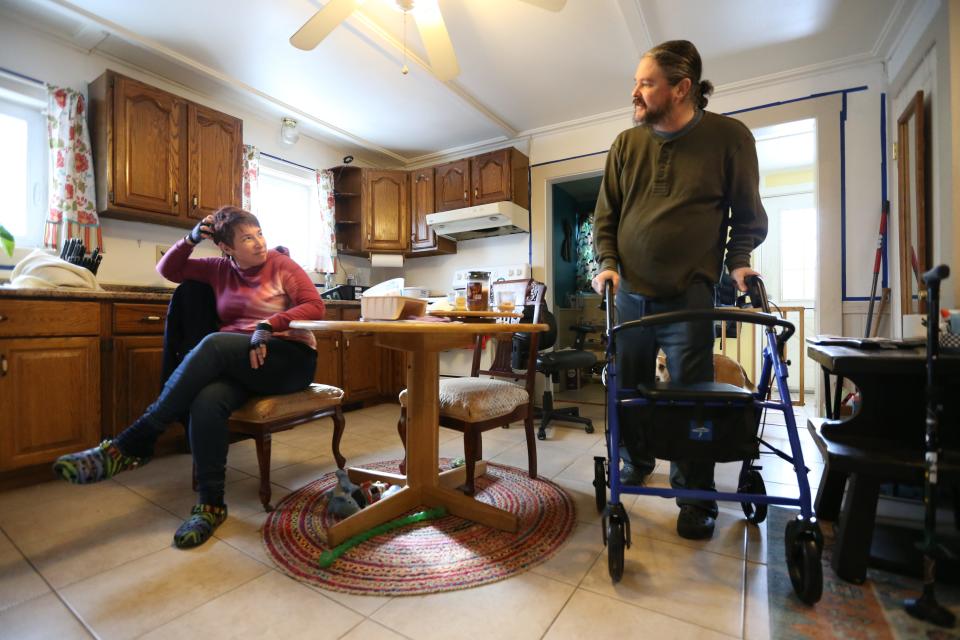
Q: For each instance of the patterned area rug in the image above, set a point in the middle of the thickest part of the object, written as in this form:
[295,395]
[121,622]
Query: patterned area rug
[871,610]
[437,555]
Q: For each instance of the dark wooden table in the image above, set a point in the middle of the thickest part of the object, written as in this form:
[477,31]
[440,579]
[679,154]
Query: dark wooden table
[882,442]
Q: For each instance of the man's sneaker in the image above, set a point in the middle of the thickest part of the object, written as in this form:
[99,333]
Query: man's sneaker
[93,465]
[631,475]
[695,523]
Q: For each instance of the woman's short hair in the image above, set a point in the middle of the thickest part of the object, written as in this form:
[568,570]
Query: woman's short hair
[679,59]
[227,219]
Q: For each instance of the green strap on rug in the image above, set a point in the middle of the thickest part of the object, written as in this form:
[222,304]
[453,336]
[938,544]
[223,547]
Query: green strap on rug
[330,556]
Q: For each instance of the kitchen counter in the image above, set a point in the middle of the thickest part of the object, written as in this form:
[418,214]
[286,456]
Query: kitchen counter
[118,292]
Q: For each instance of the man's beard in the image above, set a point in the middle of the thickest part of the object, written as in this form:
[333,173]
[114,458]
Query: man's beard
[652,115]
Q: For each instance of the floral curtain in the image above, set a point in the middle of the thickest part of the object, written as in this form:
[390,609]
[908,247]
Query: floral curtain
[72,200]
[327,236]
[251,177]
[587,266]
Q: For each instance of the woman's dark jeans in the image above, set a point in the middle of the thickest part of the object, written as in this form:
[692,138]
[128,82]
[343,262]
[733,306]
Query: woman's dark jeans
[689,350]
[214,379]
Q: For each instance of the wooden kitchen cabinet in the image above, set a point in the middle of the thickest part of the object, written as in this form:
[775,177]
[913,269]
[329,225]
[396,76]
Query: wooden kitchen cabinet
[453,185]
[423,241]
[490,177]
[49,380]
[500,175]
[160,158]
[372,210]
[350,361]
[132,375]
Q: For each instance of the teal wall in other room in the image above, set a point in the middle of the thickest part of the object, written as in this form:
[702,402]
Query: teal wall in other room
[564,273]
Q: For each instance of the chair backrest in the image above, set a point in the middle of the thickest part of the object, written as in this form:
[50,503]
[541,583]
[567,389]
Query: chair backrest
[533,295]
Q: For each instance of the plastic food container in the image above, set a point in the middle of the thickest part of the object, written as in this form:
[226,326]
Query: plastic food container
[391,307]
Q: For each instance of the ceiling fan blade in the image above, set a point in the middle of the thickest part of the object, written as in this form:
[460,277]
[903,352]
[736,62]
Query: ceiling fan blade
[549,5]
[435,38]
[322,23]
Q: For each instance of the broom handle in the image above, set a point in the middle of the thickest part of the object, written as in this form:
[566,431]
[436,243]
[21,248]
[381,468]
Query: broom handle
[884,213]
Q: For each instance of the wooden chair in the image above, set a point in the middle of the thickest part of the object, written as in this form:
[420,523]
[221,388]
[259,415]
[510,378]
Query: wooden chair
[490,398]
[262,416]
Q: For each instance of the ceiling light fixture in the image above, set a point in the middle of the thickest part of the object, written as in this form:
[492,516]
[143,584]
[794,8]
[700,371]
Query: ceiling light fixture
[288,131]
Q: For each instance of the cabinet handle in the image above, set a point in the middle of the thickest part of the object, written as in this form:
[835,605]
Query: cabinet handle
[195,202]
[151,319]
[476,193]
[336,344]
[465,195]
[176,198]
[348,344]
[3,366]
[2,318]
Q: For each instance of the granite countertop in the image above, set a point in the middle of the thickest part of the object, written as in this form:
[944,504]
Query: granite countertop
[120,293]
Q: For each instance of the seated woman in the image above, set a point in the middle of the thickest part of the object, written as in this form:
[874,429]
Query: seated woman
[258,293]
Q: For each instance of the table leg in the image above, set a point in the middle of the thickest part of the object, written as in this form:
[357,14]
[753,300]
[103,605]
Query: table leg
[855,529]
[377,513]
[471,509]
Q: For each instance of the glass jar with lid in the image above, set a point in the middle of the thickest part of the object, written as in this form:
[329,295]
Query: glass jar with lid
[478,290]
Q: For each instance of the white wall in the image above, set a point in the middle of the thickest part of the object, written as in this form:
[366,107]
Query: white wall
[130,247]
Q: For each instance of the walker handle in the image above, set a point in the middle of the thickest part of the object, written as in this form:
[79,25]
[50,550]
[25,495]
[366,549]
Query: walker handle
[758,293]
[935,275]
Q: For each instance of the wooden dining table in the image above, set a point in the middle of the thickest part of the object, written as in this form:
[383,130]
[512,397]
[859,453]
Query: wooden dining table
[424,484]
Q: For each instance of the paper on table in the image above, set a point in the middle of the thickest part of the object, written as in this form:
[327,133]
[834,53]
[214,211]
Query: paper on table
[392,287]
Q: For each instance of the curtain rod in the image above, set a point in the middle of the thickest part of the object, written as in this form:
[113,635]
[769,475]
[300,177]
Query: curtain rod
[290,162]
[23,77]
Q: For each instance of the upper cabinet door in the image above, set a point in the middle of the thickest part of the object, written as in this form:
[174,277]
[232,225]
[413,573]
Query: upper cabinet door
[423,197]
[148,134]
[453,185]
[491,177]
[386,211]
[216,141]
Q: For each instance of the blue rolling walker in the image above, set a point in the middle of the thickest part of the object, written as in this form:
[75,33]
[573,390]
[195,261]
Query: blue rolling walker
[714,422]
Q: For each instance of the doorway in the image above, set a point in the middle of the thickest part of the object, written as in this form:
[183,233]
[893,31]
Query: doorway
[788,258]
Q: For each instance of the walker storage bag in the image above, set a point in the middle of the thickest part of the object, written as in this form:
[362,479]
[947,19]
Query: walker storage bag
[680,424]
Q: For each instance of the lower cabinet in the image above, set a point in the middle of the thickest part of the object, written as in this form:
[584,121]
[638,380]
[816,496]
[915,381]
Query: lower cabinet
[50,398]
[350,361]
[136,373]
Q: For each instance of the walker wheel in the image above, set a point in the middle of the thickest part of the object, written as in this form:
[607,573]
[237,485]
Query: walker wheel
[616,538]
[588,428]
[752,482]
[600,483]
[806,571]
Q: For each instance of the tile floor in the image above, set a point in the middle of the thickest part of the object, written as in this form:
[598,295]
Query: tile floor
[97,561]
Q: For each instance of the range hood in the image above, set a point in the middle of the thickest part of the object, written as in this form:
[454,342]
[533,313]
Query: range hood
[480,221]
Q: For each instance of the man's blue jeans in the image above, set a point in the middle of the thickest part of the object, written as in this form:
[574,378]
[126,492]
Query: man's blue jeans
[214,379]
[689,350]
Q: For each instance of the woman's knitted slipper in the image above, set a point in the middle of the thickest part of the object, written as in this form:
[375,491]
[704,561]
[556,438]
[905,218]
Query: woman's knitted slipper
[93,465]
[198,528]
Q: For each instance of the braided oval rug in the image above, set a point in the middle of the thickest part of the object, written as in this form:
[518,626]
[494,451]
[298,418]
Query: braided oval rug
[444,554]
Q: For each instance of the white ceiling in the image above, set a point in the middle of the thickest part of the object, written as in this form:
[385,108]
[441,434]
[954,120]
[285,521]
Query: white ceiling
[523,69]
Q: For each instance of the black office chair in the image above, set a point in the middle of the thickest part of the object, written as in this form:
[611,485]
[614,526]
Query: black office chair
[551,364]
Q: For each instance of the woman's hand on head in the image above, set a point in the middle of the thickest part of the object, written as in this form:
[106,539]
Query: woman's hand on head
[202,231]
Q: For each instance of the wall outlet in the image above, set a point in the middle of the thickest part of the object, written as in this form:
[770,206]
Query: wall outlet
[162,249]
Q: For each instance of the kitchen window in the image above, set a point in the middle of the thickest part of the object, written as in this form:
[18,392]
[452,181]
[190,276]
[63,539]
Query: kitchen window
[23,169]
[289,211]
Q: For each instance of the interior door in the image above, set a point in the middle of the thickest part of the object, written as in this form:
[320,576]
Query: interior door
[788,261]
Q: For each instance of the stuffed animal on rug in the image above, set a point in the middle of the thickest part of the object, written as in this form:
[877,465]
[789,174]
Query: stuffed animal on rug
[346,497]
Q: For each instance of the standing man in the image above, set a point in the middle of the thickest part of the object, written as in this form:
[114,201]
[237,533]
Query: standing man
[679,190]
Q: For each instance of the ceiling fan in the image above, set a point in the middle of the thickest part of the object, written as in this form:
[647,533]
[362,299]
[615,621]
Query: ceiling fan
[429,21]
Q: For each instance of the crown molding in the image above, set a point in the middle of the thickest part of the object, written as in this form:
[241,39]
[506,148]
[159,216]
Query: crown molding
[799,73]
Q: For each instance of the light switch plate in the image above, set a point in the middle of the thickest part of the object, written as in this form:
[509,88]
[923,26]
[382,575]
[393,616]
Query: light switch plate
[162,249]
